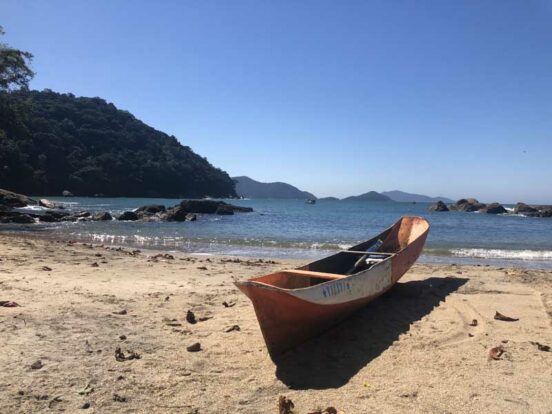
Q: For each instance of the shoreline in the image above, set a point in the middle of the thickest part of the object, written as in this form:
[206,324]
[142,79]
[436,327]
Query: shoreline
[404,352]
[496,257]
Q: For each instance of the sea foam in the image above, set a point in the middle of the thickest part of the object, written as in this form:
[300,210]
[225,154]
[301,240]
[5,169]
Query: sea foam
[504,254]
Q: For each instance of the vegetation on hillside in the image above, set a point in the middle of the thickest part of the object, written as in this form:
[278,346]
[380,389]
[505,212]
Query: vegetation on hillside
[53,142]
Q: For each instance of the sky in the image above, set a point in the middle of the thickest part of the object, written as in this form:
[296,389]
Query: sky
[449,98]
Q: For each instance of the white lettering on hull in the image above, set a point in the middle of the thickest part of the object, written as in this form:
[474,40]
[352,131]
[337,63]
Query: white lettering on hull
[369,283]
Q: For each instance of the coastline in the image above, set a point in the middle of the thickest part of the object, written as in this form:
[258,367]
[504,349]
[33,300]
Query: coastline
[410,350]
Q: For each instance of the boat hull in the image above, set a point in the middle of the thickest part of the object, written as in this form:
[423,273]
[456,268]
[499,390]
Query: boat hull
[289,317]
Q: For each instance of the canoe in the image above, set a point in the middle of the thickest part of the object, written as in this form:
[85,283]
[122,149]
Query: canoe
[295,305]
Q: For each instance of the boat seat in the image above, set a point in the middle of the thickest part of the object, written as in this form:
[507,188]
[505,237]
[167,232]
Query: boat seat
[309,273]
[368,253]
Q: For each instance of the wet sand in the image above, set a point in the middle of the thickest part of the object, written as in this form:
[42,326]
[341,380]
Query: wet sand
[413,350]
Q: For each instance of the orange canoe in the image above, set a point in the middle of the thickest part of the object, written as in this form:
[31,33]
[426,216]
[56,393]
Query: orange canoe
[295,305]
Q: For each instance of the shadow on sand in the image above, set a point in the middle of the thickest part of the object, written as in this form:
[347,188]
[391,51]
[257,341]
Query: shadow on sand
[330,360]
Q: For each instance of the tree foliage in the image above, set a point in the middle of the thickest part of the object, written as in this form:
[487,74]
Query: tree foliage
[14,67]
[50,142]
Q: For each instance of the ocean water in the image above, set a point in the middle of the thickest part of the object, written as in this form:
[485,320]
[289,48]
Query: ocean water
[294,229]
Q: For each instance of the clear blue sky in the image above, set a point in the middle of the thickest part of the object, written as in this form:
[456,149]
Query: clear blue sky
[446,98]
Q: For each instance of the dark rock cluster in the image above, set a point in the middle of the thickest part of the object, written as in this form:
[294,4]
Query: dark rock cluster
[471,205]
[186,210]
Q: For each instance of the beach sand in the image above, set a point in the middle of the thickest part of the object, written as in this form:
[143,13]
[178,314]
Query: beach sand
[413,350]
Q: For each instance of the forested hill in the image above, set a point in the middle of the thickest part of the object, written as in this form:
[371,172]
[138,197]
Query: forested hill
[51,142]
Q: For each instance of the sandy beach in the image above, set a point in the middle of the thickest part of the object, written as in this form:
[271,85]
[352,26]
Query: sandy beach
[413,350]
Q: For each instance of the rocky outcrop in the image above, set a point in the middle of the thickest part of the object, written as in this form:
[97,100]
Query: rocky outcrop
[187,210]
[11,199]
[179,212]
[467,205]
[439,206]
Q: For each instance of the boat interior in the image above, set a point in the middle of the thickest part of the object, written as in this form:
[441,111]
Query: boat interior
[354,260]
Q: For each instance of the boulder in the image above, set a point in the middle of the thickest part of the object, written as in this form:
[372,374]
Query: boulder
[150,210]
[191,217]
[23,219]
[225,210]
[545,211]
[52,216]
[494,208]
[128,216]
[49,204]
[15,217]
[66,193]
[522,208]
[104,216]
[467,205]
[439,206]
[201,206]
[11,199]
[240,209]
[176,213]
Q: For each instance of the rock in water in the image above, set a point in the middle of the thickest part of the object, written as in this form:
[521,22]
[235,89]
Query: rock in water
[105,216]
[522,208]
[150,210]
[49,204]
[128,216]
[225,210]
[67,193]
[493,208]
[15,217]
[439,206]
[11,199]
[467,205]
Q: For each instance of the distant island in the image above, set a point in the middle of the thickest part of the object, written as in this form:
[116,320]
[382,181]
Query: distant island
[54,142]
[404,197]
[369,196]
[248,188]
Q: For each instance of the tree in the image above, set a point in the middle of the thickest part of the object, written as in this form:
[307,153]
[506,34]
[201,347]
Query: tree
[14,67]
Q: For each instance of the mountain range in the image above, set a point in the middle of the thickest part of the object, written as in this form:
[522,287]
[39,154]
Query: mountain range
[248,188]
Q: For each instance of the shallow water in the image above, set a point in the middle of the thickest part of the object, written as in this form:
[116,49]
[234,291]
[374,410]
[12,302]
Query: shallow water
[294,229]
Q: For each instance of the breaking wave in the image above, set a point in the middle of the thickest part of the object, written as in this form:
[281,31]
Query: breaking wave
[503,254]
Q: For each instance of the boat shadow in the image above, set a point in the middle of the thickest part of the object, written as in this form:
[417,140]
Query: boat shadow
[333,358]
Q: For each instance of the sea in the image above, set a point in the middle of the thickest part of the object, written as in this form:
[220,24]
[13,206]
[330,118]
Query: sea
[292,229]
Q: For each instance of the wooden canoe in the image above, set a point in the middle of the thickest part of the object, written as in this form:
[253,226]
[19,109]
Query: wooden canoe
[295,305]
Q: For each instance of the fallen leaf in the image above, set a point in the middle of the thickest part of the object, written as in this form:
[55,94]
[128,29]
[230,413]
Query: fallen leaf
[233,328]
[500,317]
[190,317]
[496,352]
[8,304]
[541,347]
[285,405]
